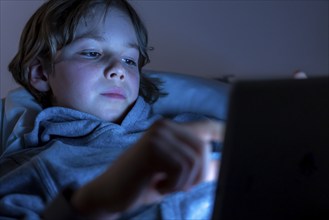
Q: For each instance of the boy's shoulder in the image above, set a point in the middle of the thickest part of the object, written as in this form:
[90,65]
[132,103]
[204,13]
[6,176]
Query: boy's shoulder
[18,112]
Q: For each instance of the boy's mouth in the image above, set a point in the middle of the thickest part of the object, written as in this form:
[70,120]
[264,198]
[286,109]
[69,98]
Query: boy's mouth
[115,93]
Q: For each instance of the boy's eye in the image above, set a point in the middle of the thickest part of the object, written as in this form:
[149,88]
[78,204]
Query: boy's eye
[91,54]
[129,62]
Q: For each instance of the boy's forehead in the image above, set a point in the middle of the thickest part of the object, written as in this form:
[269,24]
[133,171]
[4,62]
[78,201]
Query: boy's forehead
[107,24]
[88,25]
[89,20]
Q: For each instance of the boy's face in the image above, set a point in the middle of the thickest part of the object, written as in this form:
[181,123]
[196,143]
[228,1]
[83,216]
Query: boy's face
[98,72]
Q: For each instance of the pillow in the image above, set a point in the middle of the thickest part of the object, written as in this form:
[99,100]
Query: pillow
[186,93]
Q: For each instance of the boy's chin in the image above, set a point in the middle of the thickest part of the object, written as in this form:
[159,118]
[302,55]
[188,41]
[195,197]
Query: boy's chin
[113,115]
[113,112]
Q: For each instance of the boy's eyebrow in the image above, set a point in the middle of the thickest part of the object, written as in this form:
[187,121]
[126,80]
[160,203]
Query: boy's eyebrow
[90,36]
[133,45]
[101,38]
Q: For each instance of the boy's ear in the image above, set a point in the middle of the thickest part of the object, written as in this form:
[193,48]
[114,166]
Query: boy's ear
[38,76]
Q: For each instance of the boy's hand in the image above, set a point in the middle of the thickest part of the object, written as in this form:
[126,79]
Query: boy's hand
[169,157]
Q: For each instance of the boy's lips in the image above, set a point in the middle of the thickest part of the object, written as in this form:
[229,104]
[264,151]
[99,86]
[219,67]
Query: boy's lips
[115,93]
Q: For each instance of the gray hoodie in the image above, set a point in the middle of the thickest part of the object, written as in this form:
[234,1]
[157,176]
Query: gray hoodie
[68,148]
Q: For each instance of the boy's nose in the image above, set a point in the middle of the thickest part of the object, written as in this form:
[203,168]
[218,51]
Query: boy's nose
[115,75]
[116,72]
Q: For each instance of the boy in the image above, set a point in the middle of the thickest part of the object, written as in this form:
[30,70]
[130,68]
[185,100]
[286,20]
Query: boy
[96,151]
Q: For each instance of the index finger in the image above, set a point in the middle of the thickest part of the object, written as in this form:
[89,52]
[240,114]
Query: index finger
[207,130]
